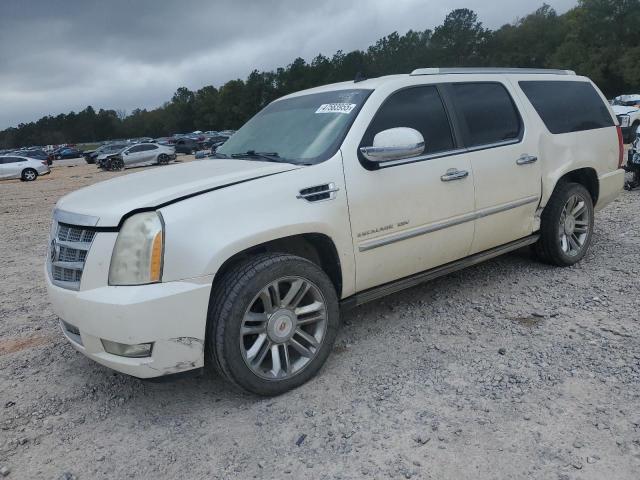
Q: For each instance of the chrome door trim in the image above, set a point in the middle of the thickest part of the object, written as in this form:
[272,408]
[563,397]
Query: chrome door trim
[449,153]
[452,222]
[62,216]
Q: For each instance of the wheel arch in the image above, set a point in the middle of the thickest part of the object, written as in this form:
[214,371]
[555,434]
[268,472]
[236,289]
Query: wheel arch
[318,248]
[587,177]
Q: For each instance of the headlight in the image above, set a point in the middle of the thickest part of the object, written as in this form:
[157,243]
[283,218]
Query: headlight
[137,255]
[624,120]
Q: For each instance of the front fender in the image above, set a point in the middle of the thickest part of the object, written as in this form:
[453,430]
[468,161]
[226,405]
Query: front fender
[204,231]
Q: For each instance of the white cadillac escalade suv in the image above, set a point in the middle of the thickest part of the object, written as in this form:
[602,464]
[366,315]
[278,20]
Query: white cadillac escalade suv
[329,197]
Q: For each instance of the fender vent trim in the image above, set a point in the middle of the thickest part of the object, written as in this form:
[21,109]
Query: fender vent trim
[318,193]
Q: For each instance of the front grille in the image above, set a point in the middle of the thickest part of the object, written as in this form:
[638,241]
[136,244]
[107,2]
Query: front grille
[67,254]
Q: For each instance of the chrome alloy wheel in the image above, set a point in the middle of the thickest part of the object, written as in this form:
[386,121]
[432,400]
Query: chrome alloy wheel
[574,225]
[283,328]
[30,175]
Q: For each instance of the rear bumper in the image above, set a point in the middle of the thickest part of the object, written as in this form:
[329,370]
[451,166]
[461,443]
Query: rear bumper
[611,185]
[170,315]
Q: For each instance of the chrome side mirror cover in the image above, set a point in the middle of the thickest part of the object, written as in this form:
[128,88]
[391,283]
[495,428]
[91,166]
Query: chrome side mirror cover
[394,144]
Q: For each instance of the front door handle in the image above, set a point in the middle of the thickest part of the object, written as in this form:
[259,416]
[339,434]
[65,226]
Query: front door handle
[526,159]
[454,174]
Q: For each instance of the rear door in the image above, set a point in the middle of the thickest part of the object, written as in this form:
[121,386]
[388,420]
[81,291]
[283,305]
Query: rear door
[150,153]
[503,157]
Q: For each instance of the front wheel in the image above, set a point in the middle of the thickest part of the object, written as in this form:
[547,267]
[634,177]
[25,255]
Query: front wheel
[115,165]
[272,323]
[567,226]
[163,159]
[29,175]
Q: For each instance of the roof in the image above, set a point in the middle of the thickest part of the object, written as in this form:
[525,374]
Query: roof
[373,83]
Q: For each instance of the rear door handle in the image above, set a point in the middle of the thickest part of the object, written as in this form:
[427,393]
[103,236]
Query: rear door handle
[526,159]
[454,174]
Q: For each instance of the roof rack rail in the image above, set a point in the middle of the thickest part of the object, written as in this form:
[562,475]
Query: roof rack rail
[482,70]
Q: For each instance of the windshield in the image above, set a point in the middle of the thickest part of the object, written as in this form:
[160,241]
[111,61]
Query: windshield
[306,129]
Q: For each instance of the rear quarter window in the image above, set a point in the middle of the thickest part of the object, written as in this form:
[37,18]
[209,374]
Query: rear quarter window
[567,107]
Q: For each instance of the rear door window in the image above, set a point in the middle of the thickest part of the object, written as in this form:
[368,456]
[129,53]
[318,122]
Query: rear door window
[567,106]
[486,113]
[420,108]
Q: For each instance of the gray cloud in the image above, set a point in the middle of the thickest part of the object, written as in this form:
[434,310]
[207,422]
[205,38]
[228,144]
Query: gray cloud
[62,55]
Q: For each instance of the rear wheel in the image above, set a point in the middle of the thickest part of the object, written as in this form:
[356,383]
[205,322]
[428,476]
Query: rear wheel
[29,175]
[272,323]
[567,226]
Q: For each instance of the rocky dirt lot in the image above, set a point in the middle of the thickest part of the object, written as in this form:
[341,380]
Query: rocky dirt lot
[511,369]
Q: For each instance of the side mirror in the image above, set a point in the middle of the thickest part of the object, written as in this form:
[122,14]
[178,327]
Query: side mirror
[394,144]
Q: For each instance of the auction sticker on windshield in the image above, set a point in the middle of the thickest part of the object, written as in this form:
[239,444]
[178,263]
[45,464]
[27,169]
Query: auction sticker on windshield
[336,108]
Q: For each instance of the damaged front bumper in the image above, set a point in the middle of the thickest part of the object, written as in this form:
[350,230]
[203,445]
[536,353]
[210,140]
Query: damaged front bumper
[171,316]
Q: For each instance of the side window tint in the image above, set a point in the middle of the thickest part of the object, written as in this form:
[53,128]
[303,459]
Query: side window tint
[567,106]
[487,113]
[420,108]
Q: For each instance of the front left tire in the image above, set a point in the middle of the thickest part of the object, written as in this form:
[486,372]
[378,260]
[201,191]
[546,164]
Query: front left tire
[272,322]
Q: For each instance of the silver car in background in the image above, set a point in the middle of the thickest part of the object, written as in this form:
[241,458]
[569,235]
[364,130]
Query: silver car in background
[139,154]
[25,168]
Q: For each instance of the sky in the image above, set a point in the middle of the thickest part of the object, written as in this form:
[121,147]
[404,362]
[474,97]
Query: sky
[62,55]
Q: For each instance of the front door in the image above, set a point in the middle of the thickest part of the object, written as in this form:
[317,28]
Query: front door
[411,215]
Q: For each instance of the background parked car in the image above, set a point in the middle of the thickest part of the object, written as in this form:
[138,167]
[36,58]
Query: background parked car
[187,145]
[627,109]
[35,153]
[139,154]
[26,169]
[66,152]
[105,151]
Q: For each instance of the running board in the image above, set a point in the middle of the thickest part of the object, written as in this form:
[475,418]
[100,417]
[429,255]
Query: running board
[413,280]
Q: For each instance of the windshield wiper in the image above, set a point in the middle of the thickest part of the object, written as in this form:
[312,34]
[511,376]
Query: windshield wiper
[267,156]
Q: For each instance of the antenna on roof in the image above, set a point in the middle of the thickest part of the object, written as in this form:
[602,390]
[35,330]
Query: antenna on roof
[359,77]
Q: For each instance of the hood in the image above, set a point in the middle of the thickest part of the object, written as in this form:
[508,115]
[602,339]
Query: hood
[109,201]
[622,110]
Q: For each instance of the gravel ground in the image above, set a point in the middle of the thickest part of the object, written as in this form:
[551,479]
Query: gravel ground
[510,369]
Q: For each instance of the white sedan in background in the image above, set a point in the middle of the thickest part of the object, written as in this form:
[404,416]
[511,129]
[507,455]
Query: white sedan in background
[139,154]
[25,168]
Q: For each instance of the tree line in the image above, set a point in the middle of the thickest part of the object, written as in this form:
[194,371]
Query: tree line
[597,38]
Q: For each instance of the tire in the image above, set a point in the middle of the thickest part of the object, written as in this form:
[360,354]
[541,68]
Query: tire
[163,159]
[28,175]
[115,165]
[235,305]
[565,241]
